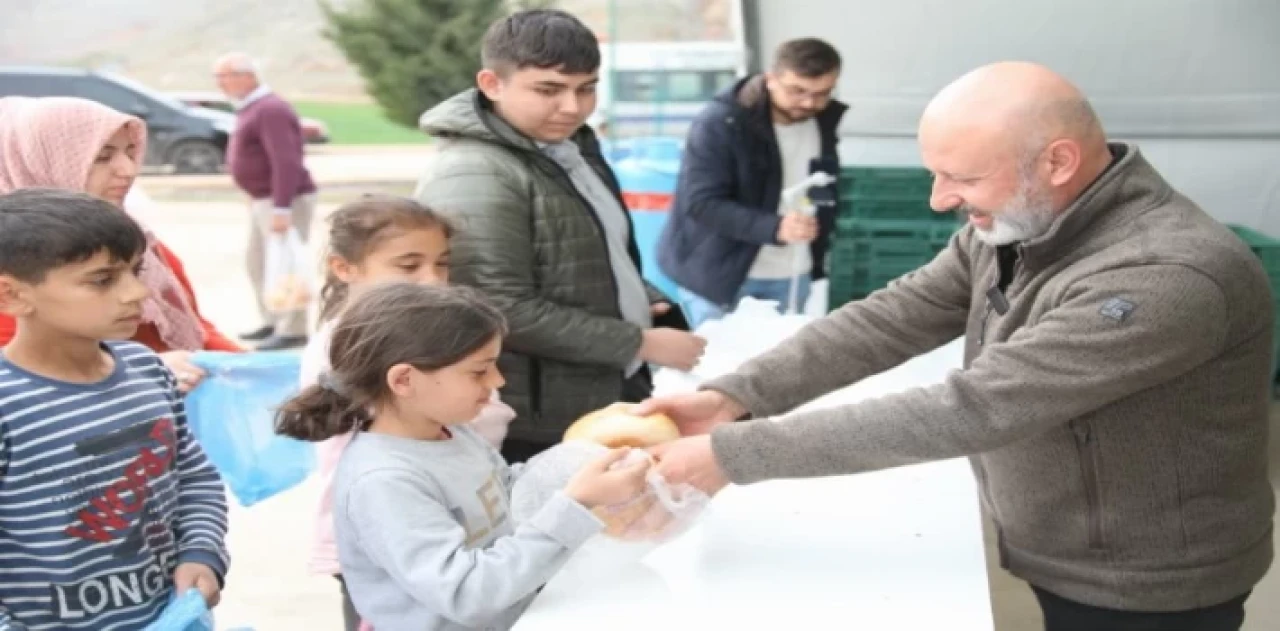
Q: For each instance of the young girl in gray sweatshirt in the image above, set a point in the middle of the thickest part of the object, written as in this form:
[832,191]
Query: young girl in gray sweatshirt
[425,536]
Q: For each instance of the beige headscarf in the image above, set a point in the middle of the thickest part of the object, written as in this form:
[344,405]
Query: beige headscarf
[53,142]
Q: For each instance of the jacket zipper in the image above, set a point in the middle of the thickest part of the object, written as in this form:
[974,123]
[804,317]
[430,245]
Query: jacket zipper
[982,335]
[1086,446]
[1008,292]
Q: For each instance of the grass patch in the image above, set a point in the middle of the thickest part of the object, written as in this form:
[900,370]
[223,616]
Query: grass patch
[359,124]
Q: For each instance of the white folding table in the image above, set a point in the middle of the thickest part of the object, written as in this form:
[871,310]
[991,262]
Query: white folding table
[896,549]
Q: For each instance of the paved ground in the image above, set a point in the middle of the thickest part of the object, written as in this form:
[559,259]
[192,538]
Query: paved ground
[269,587]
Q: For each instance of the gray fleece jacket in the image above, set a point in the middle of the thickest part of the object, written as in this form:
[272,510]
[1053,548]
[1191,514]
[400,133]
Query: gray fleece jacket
[1114,403]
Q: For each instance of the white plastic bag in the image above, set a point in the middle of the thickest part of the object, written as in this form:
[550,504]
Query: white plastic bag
[751,329]
[754,327]
[288,282]
[663,512]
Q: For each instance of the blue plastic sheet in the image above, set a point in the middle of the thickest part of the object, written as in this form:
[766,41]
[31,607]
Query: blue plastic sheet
[232,414]
[187,612]
[661,148]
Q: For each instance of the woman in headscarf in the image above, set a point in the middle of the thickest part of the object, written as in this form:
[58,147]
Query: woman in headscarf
[81,145]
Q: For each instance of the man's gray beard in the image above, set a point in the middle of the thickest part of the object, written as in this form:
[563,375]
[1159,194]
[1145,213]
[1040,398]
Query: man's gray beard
[1028,215]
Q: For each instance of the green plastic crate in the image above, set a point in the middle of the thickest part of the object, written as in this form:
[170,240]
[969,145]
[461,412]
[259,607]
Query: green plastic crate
[866,255]
[900,235]
[865,182]
[858,282]
[1268,251]
[892,208]
[875,192]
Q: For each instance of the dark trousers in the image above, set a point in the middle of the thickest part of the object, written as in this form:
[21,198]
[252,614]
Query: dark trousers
[1061,614]
[635,389]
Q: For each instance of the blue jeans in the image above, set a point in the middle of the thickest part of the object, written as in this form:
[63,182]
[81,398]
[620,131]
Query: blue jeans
[698,309]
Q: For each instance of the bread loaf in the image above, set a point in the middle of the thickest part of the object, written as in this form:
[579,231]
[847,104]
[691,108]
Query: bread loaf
[615,426]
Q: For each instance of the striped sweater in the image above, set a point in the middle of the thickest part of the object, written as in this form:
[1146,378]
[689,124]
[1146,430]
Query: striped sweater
[103,492]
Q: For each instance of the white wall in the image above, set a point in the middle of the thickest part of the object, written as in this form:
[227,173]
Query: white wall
[1196,83]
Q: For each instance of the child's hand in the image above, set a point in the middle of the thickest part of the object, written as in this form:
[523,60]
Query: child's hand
[201,577]
[188,374]
[597,485]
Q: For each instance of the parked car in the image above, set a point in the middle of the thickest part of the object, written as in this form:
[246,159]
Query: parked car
[314,131]
[188,139]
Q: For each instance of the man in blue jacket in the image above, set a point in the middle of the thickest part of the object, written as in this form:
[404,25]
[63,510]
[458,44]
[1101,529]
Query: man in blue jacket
[728,235]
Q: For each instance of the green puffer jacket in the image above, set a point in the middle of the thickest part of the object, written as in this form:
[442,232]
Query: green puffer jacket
[533,245]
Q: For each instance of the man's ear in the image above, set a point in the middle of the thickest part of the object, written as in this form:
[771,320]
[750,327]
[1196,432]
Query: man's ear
[13,297]
[1065,157]
[490,84]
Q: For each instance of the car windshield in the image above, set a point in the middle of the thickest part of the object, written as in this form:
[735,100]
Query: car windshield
[154,95]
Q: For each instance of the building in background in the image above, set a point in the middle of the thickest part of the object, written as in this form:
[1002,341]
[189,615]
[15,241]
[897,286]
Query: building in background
[656,88]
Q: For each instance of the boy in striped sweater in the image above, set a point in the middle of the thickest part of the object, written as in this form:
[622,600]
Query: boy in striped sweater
[107,503]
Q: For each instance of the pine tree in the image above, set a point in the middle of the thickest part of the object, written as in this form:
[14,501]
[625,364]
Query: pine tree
[413,54]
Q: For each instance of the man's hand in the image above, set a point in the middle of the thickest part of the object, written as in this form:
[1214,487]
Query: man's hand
[696,413]
[281,221]
[659,309]
[690,461]
[201,577]
[797,228]
[672,348]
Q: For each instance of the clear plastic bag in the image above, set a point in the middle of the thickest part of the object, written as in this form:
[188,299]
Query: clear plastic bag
[232,414]
[663,512]
[288,280]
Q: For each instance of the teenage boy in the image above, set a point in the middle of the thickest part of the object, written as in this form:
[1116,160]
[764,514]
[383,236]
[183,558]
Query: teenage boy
[544,233]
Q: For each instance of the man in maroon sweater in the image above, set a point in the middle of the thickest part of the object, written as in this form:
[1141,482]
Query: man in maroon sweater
[266,159]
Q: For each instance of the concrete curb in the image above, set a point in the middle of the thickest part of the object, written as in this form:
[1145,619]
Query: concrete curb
[224,183]
[329,192]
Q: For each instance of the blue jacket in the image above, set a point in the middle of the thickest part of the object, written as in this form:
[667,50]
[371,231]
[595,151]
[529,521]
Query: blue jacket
[726,200]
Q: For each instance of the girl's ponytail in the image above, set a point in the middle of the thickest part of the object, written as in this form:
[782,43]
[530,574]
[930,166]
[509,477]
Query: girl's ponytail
[429,328]
[320,412]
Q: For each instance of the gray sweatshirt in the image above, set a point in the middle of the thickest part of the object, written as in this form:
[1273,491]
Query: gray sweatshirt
[1114,398]
[426,540]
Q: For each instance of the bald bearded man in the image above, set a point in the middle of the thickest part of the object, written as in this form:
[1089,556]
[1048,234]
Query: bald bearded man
[1115,389]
